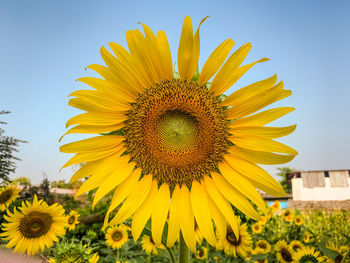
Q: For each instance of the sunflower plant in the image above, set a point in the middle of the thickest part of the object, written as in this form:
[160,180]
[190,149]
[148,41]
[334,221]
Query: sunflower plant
[183,153]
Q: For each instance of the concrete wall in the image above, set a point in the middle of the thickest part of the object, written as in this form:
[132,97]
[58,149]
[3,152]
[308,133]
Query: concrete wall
[319,193]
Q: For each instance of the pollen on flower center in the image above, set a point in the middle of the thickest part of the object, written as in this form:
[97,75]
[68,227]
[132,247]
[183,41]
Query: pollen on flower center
[177,131]
[35,224]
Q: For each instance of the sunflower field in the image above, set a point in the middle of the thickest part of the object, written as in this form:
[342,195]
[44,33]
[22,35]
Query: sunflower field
[77,235]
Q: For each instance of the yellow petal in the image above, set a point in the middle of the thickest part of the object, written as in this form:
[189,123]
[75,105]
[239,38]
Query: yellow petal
[160,213]
[105,72]
[242,184]
[262,144]
[85,170]
[256,175]
[186,218]
[144,212]
[255,103]
[107,87]
[85,105]
[93,144]
[103,100]
[139,49]
[219,219]
[224,78]
[174,214]
[122,191]
[234,196]
[127,82]
[165,54]
[261,157]
[249,91]
[202,213]
[189,48]
[92,156]
[134,200]
[94,118]
[118,176]
[222,204]
[262,118]
[91,129]
[268,132]
[215,61]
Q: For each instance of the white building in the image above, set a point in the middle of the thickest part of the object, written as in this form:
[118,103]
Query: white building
[332,185]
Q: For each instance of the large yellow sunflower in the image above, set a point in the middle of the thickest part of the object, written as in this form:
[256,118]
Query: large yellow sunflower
[173,138]
[116,236]
[72,219]
[8,194]
[37,226]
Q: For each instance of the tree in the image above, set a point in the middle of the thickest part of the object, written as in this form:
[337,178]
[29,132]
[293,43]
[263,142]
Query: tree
[283,172]
[7,148]
[25,181]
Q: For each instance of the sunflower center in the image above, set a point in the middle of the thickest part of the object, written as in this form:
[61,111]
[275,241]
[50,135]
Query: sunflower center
[286,255]
[71,220]
[231,238]
[5,196]
[117,236]
[35,224]
[177,131]
[262,245]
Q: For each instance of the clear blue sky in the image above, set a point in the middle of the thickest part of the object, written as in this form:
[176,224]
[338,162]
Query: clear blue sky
[45,46]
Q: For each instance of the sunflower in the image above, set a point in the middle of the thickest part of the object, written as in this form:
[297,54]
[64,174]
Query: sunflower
[276,206]
[262,247]
[173,138]
[306,237]
[8,194]
[36,226]
[72,219]
[236,244]
[257,228]
[298,220]
[295,245]
[307,255]
[201,253]
[116,236]
[284,252]
[199,236]
[261,261]
[149,246]
[288,215]
[263,219]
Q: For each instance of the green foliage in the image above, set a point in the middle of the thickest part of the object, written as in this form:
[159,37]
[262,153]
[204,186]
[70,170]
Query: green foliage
[25,181]
[283,172]
[8,145]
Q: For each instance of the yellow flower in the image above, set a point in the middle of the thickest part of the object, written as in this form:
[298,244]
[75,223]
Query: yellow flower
[284,252]
[51,260]
[8,194]
[237,245]
[287,215]
[298,220]
[306,237]
[72,219]
[306,255]
[262,247]
[199,236]
[261,261]
[94,259]
[262,221]
[276,206]
[257,228]
[116,236]
[295,245]
[201,253]
[149,246]
[169,136]
[36,226]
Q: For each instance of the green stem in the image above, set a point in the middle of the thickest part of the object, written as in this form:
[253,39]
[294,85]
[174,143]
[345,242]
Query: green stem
[184,253]
[171,254]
